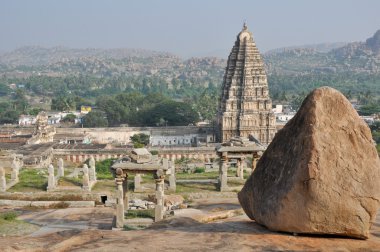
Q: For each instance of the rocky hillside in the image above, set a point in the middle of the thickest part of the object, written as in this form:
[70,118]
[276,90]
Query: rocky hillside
[357,57]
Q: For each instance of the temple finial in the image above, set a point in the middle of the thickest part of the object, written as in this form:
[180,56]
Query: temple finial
[245,27]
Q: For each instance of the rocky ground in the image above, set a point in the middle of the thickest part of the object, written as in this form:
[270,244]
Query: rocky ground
[212,225]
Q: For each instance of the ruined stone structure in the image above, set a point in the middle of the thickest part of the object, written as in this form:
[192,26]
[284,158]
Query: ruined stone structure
[245,107]
[43,133]
[134,165]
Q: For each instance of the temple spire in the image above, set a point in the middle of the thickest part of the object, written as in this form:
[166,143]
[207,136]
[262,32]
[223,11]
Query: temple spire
[245,107]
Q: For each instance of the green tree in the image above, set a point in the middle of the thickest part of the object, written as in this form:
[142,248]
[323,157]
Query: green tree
[140,140]
[69,118]
[95,119]
[63,103]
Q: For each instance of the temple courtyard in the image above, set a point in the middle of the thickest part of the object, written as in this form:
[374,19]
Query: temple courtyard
[215,224]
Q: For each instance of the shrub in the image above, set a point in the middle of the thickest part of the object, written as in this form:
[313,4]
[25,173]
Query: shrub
[103,168]
[8,216]
[199,170]
[154,152]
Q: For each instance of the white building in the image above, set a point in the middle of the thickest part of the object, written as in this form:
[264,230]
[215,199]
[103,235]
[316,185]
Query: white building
[284,117]
[25,120]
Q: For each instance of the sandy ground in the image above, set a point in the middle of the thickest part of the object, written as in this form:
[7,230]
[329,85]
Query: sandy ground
[87,230]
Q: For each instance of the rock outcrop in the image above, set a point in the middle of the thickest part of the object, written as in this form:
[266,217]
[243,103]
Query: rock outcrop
[320,174]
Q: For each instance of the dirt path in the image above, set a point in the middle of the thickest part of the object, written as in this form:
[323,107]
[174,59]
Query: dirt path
[181,233]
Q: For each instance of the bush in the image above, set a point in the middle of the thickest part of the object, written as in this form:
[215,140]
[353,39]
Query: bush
[199,170]
[103,169]
[8,216]
[154,152]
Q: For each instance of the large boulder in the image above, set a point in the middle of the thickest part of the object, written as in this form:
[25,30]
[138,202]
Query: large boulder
[320,174]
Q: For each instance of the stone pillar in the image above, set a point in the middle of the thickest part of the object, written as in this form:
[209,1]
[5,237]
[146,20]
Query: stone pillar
[125,190]
[172,180]
[223,168]
[238,167]
[80,158]
[159,210]
[15,170]
[92,170]
[254,162]
[137,183]
[242,166]
[67,157]
[3,182]
[86,179]
[119,216]
[61,168]
[51,178]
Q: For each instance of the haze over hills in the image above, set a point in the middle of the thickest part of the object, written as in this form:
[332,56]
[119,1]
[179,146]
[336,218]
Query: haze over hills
[351,67]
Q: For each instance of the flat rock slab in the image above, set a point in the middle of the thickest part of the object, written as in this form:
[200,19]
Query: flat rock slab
[185,234]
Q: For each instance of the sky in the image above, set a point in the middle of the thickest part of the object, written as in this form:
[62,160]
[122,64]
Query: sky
[183,27]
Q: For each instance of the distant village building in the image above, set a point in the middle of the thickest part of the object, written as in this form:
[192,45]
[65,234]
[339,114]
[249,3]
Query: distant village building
[85,109]
[181,136]
[26,120]
[245,107]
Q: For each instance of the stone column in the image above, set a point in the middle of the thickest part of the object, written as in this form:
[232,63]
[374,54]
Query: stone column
[223,168]
[254,162]
[92,170]
[238,167]
[125,190]
[119,216]
[3,182]
[172,180]
[242,166]
[51,178]
[61,168]
[159,210]
[86,179]
[15,170]
[137,183]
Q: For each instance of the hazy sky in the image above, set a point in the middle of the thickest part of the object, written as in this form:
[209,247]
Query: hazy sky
[184,27]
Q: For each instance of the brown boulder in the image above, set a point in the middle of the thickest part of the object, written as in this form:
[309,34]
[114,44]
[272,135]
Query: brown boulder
[320,174]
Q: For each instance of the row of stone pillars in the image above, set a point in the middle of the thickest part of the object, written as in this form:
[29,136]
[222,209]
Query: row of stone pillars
[88,179]
[204,157]
[79,158]
[15,169]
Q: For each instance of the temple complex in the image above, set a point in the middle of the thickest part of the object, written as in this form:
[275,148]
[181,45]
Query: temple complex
[245,108]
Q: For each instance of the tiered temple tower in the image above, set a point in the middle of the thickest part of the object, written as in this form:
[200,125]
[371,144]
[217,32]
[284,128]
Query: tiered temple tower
[245,107]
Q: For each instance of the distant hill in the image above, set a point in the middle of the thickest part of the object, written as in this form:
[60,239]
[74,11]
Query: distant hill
[38,56]
[350,67]
[357,57]
[321,47]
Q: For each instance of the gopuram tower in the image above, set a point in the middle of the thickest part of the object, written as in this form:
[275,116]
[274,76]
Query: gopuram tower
[245,107]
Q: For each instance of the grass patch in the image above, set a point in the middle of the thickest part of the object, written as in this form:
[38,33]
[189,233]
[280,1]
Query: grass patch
[105,185]
[103,169]
[378,148]
[9,225]
[8,216]
[31,180]
[189,188]
[66,181]
[205,175]
[133,227]
[147,213]
[199,170]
